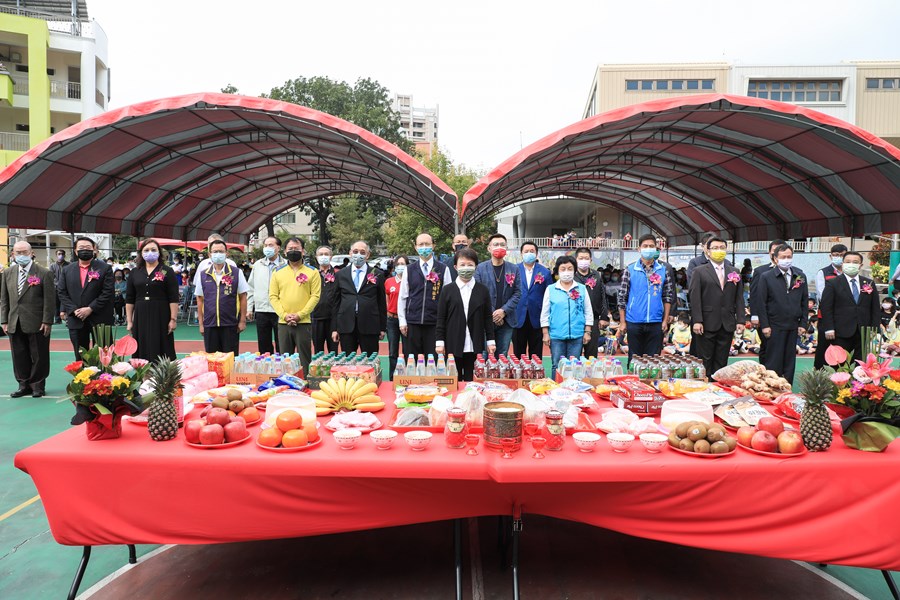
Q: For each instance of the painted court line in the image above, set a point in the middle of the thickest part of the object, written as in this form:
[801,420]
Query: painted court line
[13,511]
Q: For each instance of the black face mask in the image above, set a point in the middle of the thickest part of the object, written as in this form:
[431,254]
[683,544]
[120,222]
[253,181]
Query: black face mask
[294,256]
[85,255]
[459,247]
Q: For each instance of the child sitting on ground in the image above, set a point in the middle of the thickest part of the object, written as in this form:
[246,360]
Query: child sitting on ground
[681,336]
[806,342]
[891,335]
[750,339]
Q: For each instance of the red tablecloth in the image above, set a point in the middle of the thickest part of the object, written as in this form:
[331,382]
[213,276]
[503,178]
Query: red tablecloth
[836,507]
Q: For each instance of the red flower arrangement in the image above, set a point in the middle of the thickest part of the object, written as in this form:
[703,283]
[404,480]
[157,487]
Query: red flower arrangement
[510,279]
[33,280]
[329,278]
[159,276]
[371,278]
[302,278]
[92,275]
[539,278]
[432,277]
[573,294]
[867,289]
[591,282]
[797,283]
[227,280]
[734,277]
[655,279]
[98,387]
[74,367]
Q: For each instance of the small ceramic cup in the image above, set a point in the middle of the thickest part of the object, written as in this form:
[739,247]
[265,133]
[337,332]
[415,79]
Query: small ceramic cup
[585,440]
[347,438]
[383,438]
[620,442]
[654,442]
[418,440]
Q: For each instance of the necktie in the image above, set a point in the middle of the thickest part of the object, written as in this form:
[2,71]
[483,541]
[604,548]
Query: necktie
[721,273]
[855,289]
[425,269]
[787,280]
[22,276]
[356,274]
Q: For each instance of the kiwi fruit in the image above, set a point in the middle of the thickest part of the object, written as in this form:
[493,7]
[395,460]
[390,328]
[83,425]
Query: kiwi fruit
[220,403]
[719,448]
[674,440]
[234,394]
[715,435]
[235,406]
[731,442]
[718,426]
[697,432]
[686,444]
[701,447]
[248,403]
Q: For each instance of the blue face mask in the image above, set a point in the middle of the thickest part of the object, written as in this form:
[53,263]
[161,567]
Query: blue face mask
[837,261]
[23,260]
[529,257]
[357,260]
[400,269]
[649,253]
[424,252]
[218,258]
[269,252]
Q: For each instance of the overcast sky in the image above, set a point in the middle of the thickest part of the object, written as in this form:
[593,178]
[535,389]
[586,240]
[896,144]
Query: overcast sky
[503,73]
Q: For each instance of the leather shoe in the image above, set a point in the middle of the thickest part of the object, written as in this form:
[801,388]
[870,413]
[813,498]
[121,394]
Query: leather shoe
[20,392]
[37,394]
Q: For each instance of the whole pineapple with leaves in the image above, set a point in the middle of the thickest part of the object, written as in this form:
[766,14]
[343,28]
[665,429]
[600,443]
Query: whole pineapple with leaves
[815,426]
[165,376]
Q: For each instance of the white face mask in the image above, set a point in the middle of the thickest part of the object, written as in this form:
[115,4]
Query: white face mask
[584,264]
[785,263]
[323,260]
[566,276]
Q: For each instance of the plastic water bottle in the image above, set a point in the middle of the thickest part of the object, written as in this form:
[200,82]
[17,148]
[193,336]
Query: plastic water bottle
[411,365]
[578,370]
[400,370]
[451,367]
[420,366]
[430,368]
[441,365]
[562,365]
[616,368]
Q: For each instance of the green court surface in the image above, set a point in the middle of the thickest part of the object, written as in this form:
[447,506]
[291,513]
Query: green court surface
[33,565]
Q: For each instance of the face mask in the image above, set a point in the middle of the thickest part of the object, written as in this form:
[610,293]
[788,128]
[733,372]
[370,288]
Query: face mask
[614,279]
[498,252]
[324,260]
[717,256]
[60,258]
[119,278]
[851,269]
[785,263]
[218,258]
[466,273]
[294,255]
[85,255]
[424,251]
[459,247]
[269,252]
[584,264]
[529,258]
[566,276]
[151,257]
[886,306]
[649,253]
[837,261]
[357,260]
[23,260]
[400,270]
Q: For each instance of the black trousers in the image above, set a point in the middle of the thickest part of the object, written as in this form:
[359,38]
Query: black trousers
[465,365]
[590,349]
[81,338]
[266,330]
[421,339]
[781,352]
[321,336]
[823,345]
[851,344]
[712,347]
[644,339]
[528,340]
[221,339]
[366,342]
[31,359]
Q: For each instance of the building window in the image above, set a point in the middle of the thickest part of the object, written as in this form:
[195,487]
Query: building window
[631,85]
[872,83]
[646,84]
[677,84]
[22,127]
[285,219]
[708,84]
[796,91]
[877,83]
[662,84]
[693,84]
[665,85]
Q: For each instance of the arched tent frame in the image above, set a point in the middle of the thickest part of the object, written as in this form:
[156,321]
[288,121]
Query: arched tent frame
[187,166]
[746,168]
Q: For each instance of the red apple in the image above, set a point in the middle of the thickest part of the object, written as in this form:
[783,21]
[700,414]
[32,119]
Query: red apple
[744,434]
[192,430]
[205,411]
[771,424]
[210,435]
[765,441]
[236,430]
[790,442]
[218,416]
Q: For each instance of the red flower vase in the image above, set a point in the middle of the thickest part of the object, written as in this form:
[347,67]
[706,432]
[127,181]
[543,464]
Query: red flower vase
[106,427]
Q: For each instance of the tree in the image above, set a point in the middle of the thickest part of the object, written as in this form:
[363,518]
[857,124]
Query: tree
[229,89]
[367,104]
[354,220]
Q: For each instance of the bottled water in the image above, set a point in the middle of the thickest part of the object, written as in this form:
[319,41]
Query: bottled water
[411,365]
[562,365]
[578,370]
[430,368]
[451,367]
[400,370]
[616,369]
[441,365]
[420,366]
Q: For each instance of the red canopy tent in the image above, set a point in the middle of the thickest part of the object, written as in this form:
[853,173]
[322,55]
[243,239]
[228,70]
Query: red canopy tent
[197,245]
[749,169]
[188,166]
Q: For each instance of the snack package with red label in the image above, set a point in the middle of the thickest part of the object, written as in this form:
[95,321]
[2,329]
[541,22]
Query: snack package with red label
[790,405]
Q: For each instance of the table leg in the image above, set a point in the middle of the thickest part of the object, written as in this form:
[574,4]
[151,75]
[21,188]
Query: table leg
[890,583]
[132,555]
[79,574]
[517,527]
[457,551]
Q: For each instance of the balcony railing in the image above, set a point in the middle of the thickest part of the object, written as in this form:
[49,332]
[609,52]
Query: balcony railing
[99,98]
[761,247]
[14,141]
[55,22]
[70,90]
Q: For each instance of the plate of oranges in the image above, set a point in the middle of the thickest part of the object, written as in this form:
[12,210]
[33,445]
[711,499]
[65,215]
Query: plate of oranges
[290,434]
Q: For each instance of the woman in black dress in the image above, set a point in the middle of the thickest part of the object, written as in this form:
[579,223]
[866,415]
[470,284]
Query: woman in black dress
[151,304]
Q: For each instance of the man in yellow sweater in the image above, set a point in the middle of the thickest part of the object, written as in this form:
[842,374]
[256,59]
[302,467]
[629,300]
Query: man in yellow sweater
[294,292]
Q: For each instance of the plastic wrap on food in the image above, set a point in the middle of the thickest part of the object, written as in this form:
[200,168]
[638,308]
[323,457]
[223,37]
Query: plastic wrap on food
[473,403]
[672,388]
[438,412]
[645,425]
[605,389]
[353,420]
[617,420]
[576,385]
[570,417]
[421,393]
[474,385]
[733,373]
[494,392]
[534,405]
[542,386]
[791,404]
[412,417]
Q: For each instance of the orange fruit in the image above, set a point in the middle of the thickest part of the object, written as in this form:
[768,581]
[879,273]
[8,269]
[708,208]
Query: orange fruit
[270,437]
[250,414]
[231,413]
[294,438]
[311,432]
[289,419]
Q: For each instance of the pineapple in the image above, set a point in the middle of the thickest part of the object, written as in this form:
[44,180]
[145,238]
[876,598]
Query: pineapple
[815,426]
[162,422]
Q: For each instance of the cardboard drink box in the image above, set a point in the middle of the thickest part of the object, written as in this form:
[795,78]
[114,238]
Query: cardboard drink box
[451,383]
[256,379]
[513,384]
[652,406]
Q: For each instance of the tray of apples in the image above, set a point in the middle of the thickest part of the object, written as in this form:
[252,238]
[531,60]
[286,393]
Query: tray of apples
[770,438]
[218,429]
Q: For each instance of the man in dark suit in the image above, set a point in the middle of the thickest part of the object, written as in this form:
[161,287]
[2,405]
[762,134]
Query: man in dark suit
[717,306]
[592,280]
[460,241]
[534,278]
[27,308]
[755,303]
[703,259]
[848,303]
[360,304]
[465,324]
[418,300]
[86,293]
[501,278]
[56,269]
[783,316]
[831,271]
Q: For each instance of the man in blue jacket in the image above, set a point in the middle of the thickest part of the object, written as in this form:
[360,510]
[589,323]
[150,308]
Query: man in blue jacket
[502,280]
[645,299]
[534,278]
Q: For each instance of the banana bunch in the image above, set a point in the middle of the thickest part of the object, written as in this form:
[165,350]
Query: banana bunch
[346,394]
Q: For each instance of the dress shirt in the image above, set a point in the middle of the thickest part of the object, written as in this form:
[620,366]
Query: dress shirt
[465,291]
[850,281]
[404,287]
[529,273]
